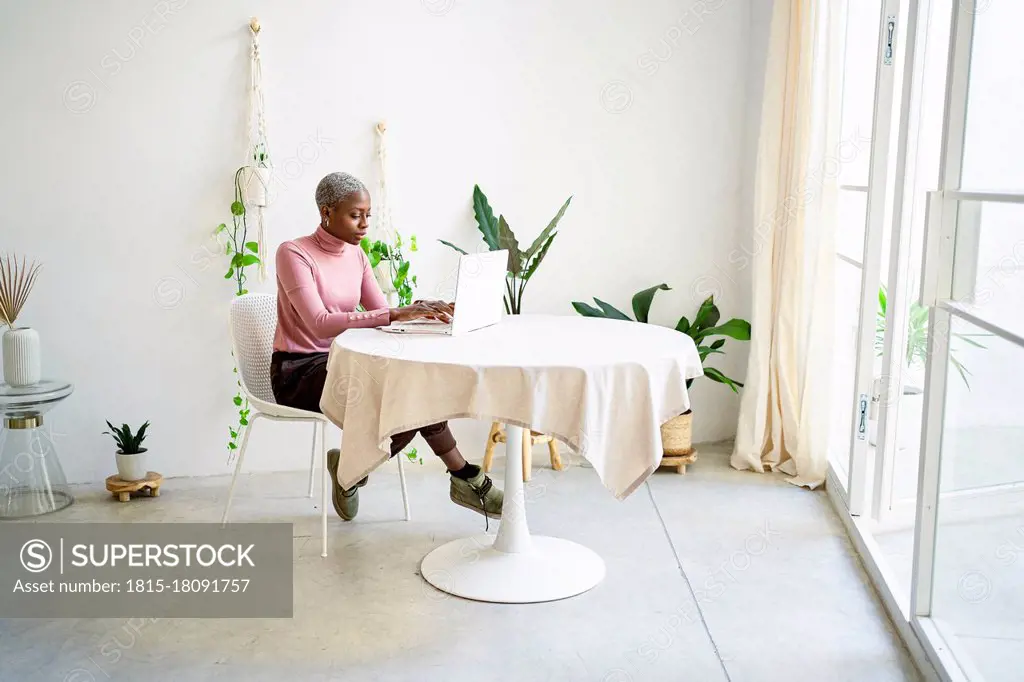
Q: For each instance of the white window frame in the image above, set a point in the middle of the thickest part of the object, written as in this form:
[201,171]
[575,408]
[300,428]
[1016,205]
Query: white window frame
[930,641]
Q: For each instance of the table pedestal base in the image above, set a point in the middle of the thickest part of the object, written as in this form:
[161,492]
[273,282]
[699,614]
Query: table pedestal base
[512,567]
[32,481]
[472,568]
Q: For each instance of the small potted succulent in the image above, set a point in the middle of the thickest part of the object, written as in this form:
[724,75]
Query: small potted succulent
[132,461]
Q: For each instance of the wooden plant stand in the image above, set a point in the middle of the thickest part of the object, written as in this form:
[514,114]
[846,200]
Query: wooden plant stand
[530,438]
[123,490]
[679,461]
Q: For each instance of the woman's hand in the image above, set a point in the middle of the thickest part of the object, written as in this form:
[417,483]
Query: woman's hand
[441,306]
[423,310]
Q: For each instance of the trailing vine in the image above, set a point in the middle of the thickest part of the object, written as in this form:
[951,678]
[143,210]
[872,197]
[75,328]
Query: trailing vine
[243,254]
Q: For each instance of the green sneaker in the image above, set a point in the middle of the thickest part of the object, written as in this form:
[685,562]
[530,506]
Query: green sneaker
[479,494]
[346,502]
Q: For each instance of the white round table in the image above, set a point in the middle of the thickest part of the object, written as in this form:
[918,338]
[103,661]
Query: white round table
[601,386]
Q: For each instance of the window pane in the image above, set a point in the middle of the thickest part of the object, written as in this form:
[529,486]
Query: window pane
[895,526]
[847,294]
[994,141]
[979,551]
[853,212]
[863,21]
[990,261]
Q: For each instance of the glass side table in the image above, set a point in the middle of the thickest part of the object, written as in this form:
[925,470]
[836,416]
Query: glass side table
[32,481]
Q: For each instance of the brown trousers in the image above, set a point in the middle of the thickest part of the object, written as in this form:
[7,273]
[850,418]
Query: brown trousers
[298,379]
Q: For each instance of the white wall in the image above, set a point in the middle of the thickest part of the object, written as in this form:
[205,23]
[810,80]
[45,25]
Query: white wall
[125,120]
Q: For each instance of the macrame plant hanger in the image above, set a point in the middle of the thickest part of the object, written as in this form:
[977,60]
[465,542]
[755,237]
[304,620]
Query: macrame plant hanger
[257,180]
[383,229]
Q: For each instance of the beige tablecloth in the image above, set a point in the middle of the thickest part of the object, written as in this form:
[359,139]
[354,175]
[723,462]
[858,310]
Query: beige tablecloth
[601,387]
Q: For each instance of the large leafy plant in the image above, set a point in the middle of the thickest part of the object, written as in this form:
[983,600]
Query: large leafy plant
[522,264]
[706,325]
[917,336]
[128,443]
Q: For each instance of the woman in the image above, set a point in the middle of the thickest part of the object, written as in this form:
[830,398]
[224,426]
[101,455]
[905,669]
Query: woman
[321,278]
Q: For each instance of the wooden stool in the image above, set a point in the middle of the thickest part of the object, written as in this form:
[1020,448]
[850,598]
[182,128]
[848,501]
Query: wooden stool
[679,461]
[123,490]
[530,438]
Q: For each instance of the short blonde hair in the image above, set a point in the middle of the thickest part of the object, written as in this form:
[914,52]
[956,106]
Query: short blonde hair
[337,187]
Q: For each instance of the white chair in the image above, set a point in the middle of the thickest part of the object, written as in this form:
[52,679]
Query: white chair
[253,321]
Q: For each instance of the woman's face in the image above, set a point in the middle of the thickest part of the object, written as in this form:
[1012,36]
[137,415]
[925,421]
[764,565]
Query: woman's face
[348,219]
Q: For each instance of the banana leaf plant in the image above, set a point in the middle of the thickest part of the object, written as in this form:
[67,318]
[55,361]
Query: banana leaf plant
[706,324]
[522,264]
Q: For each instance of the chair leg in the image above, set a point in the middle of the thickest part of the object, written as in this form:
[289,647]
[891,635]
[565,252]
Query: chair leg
[556,459]
[312,458]
[527,454]
[489,450]
[401,479]
[325,488]
[238,467]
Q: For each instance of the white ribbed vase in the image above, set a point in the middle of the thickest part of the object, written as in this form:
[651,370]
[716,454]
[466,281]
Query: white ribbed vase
[21,357]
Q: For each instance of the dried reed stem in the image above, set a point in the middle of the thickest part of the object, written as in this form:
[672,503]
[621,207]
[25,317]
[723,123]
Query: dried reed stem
[16,282]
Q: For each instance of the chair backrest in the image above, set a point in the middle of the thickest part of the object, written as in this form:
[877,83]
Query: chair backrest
[253,324]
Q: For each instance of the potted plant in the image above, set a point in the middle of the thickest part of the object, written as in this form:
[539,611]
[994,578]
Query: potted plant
[20,344]
[913,368]
[498,235]
[676,433]
[131,457]
[521,264]
[390,267]
[256,177]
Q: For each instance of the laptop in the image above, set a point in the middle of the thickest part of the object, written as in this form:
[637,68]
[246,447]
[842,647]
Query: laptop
[479,290]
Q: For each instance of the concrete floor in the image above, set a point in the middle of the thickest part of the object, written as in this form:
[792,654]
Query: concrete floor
[716,575]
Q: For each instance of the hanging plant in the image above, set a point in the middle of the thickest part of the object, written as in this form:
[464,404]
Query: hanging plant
[243,253]
[251,185]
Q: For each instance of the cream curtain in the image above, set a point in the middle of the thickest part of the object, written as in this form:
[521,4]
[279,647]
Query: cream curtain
[785,408]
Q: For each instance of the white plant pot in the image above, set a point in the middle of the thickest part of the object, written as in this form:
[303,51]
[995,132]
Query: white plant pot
[908,430]
[132,467]
[383,275]
[908,425]
[257,185]
[21,357]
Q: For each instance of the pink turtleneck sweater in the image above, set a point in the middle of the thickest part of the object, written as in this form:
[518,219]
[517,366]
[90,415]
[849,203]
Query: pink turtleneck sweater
[320,281]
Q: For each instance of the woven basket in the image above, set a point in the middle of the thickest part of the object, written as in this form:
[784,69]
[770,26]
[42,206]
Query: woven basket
[675,435]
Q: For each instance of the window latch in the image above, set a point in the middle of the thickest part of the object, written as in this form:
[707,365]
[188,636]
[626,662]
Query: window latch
[890,37]
[862,420]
